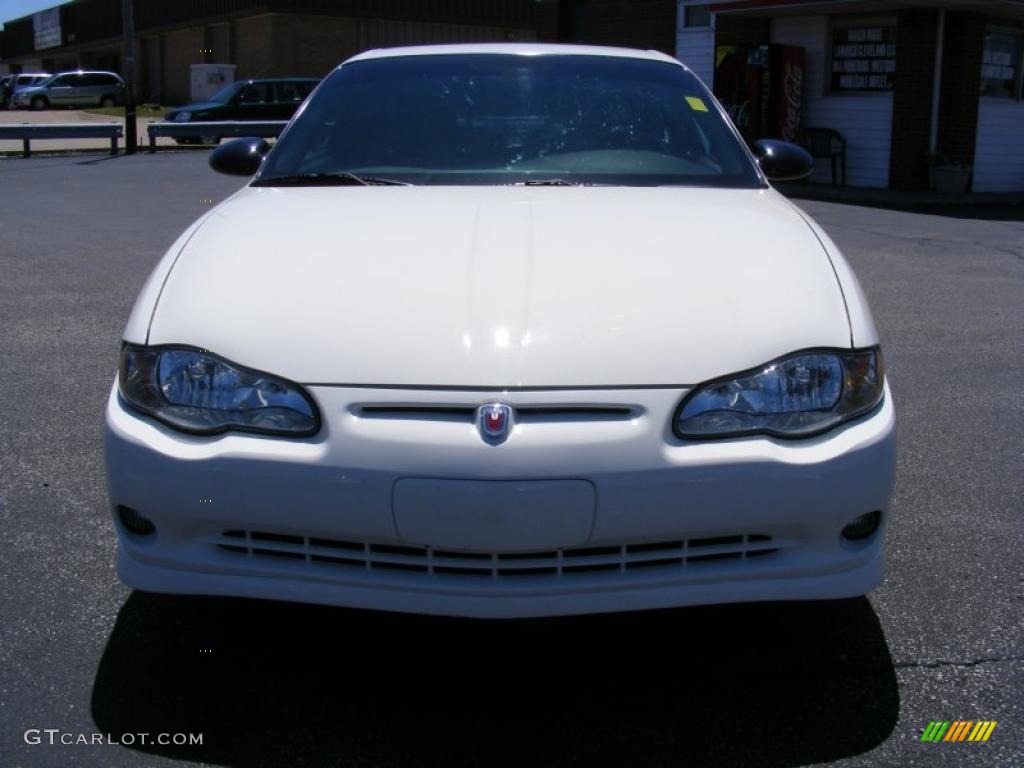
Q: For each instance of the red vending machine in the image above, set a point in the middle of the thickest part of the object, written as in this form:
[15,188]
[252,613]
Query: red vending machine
[762,86]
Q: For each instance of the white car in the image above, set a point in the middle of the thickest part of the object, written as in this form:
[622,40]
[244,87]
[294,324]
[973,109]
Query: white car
[503,331]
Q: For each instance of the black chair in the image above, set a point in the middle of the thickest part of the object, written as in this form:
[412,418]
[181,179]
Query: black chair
[826,143]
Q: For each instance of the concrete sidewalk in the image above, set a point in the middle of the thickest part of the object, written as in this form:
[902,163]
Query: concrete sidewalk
[901,200]
[17,116]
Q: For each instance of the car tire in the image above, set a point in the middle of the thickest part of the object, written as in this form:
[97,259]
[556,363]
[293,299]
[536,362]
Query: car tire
[209,140]
[108,101]
[40,102]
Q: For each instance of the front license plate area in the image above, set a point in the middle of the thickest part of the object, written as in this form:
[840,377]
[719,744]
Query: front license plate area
[494,515]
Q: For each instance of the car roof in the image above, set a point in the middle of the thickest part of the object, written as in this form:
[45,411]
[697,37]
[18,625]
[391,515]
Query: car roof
[516,49]
[88,72]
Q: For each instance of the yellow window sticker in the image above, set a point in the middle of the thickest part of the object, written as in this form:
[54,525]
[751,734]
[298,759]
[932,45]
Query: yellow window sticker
[696,103]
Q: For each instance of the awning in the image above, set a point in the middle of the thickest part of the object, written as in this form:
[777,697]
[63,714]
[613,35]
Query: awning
[1010,9]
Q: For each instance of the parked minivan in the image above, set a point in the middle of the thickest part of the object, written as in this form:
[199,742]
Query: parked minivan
[81,88]
[18,82]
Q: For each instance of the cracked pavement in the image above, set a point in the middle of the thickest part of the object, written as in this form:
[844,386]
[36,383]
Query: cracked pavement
[850,683]
[948,299]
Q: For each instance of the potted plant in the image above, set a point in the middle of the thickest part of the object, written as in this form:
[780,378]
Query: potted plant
[948,177]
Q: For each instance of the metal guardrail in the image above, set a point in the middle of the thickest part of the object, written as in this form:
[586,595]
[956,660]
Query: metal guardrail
[28,131]
[221,129]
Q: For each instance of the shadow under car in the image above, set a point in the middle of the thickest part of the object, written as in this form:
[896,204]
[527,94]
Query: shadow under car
[266,683]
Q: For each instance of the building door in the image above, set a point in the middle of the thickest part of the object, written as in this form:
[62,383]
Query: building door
[151,62]
[218,44]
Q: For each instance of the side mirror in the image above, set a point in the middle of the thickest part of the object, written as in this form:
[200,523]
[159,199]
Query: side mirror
[782,161]
[241,157]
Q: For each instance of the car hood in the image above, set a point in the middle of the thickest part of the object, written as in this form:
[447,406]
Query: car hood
[502,286]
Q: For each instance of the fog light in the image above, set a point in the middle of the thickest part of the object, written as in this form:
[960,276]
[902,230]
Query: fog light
[863,526]
[135,522]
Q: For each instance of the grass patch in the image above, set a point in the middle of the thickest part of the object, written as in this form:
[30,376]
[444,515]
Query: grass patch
[142,110]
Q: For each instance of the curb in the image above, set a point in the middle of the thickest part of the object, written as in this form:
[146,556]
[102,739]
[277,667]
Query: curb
[143,150]
[902,200]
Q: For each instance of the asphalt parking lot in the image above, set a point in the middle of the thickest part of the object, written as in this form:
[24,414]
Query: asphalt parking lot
[850,683]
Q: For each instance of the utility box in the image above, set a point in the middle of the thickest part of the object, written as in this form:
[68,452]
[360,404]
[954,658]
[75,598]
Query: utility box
[207,79]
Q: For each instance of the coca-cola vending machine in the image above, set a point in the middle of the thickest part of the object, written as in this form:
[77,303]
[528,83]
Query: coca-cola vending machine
[761,87]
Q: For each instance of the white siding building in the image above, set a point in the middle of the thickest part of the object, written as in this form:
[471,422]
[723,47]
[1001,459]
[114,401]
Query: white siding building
[935,83]
[999,148]
[864,119]
[695,46]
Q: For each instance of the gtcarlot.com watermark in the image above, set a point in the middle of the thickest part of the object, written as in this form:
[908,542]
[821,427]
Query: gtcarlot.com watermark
[55,736]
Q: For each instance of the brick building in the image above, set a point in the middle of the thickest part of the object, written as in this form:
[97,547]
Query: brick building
[644,24]
[911,85]
[262,38]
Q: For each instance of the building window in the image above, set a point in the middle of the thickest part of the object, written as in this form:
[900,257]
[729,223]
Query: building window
[697,16]
[863,54]
[1001,62]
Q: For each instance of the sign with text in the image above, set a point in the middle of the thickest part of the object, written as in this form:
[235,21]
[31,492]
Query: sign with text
[46,29]
[999,62]
[863,58]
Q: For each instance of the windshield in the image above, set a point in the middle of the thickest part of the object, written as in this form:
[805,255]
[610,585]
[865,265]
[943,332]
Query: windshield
[504,119]
[225,94]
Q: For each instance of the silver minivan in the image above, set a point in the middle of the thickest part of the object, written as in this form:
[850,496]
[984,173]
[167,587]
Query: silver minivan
[20,81]
[81,88]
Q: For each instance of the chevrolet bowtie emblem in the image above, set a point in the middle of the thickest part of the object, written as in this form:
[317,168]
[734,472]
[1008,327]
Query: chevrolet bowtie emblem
[494,421]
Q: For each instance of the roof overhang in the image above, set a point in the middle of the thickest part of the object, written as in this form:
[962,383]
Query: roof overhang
[1009,9]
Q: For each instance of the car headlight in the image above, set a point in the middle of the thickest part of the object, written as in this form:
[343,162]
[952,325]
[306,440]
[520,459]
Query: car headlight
[196,391]
[799,395]
[182,117]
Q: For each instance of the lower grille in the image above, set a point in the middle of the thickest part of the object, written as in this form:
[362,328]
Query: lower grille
[620,558]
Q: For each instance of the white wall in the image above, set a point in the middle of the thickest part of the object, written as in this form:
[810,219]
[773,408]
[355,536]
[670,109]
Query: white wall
[865,119]
[999,146]
[695,46]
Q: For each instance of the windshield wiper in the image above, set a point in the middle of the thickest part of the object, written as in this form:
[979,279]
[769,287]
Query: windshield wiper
[547,183]
[334,178]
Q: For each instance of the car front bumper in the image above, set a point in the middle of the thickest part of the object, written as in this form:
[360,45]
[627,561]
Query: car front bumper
[590,505]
